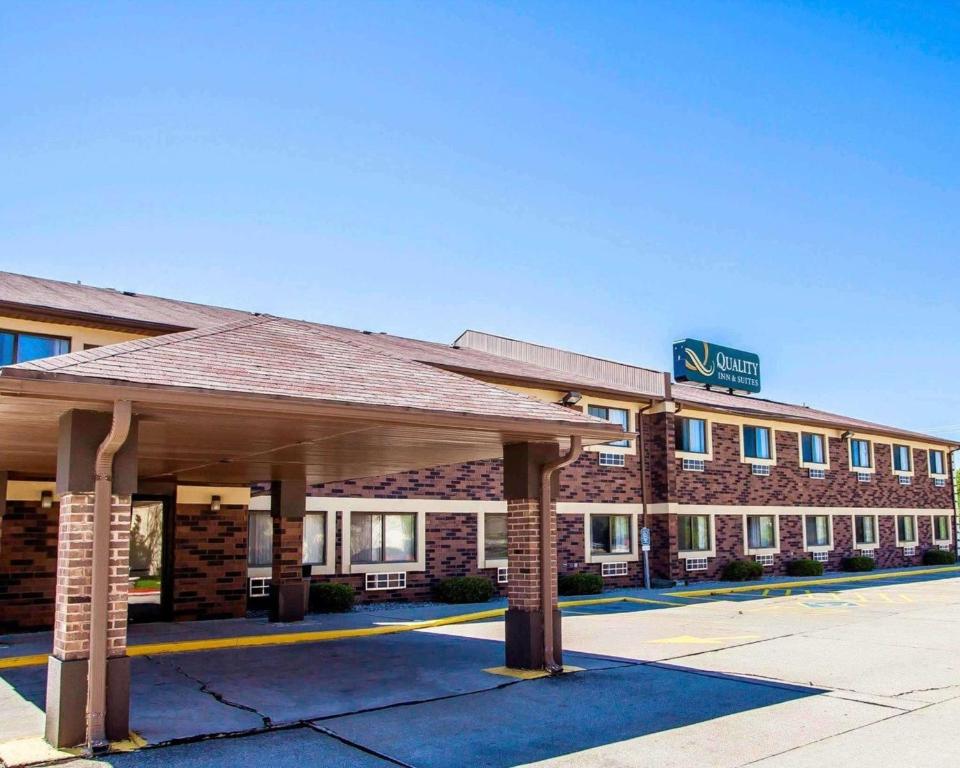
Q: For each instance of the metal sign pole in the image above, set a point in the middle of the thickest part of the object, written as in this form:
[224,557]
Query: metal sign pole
[645,546]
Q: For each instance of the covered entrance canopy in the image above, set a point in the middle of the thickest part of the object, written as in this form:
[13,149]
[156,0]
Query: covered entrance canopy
[255,399]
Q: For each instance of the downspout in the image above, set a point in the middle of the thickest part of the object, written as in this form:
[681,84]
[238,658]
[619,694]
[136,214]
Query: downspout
[546,551]
[99,595]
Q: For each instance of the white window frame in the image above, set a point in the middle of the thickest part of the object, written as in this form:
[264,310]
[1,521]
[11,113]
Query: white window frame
[607,459]
[817,473]
[916,531]
[938,475]
[382,506]
[695,554]
[933,528]
[615,509]
[760,470]
[693,465]
[482,561]
[623,405]
[807,546]
[910,457]
[864,546]
[871,446]
[707,436]
[744,459]
[821,557]
[766,560]
[693,564]
[385,581]
[826,450]
[311,504]
[611,570]
[775,549]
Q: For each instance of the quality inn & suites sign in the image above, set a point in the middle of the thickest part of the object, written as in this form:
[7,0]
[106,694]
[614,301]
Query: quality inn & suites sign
[703,363]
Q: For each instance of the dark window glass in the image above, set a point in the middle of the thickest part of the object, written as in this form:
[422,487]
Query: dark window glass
[692,435]
[866,531]
[495,536]
[756,442]
[610,534]
[901,458]
[260,539]
[860,453]
[7,348]
[383,538]
[761,531]
[936,463]
[693,533]
[907,528]
[23,347]
[818,530]
[614,415]
[813,448]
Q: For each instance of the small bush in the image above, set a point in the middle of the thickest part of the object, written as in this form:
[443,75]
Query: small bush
[580,584]
[859,564]
[805,568]
[938,557]
[465,589]
[742,570]
[328,597]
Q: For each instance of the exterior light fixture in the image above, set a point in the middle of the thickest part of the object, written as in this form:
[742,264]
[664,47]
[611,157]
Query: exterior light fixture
[46,499]
[214,503]
[571,398]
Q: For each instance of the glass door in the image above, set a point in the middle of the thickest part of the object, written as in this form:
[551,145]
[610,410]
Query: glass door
[149,590]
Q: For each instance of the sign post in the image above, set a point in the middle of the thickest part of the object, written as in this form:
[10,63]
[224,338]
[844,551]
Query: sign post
[645,546]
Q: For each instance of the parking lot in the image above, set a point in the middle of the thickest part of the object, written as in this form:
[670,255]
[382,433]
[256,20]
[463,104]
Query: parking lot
[781,676]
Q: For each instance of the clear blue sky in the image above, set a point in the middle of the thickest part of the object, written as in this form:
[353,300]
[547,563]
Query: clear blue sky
[601,176]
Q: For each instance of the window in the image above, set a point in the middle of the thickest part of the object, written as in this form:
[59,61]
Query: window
[761,531]
[495,536]
[695,563]
[907,529]
[860,454]
[502,575]
[863,477]
[612,460]
[865,527]
[818,530]
[765,560]
[812,446]
[817,474]
[615,415]
[693,533]
[756,442]
[692,436]
[694,465]
[940,482]
[901,458]
[905,479]
[376,581]
[761,470]
[389,537]
[259,586]
[315,538]
[937,464]
[941,527]
[613,569]
[259,539]
[821,557]
[610,534]
[22,347]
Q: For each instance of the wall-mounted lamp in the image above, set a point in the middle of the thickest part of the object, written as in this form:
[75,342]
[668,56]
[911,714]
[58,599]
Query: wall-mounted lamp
[214,503]
[571,398]
[46,499]
[846,434]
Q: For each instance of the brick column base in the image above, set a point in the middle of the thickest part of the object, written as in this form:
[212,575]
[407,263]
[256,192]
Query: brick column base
[67,666]
[524,617]
[288,587]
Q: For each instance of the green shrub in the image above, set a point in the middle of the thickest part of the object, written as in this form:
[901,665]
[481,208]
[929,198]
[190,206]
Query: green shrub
[742,570]
[805,568]
[465,589]
[580,584]
[939,557]
[859,564]
[328,597]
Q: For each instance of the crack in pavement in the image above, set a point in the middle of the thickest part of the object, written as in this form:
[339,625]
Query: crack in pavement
[358,746]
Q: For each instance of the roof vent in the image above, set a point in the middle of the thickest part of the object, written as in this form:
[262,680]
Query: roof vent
[129,293]
[367,333]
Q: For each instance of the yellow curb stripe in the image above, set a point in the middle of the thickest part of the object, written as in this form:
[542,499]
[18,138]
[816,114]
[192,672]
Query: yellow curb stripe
[23,661]
[815,582]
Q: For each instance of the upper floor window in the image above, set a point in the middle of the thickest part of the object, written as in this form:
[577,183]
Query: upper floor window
[495,536]
[615,415]
[756,442]
[692,435]
[23,347]
[315,538]
[377,537]
[937,463]
[814,448]
[860,453]
[693,533]
[610,534]
[901,458]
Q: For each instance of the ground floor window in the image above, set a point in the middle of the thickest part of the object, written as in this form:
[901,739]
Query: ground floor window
[693,533]
[818,530]
[941,527]
[865,527]
[495,536]
[260,539]
[761,531]
[315,538]
[610,534]
[907,528]
[389,537]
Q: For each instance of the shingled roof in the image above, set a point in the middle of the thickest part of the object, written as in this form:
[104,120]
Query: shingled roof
[123,308]
[278,358]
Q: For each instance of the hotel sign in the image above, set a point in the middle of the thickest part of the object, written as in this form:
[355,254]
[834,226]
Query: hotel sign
[703,363]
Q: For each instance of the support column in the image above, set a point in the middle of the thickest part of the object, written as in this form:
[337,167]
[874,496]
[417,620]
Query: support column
[66,715]
[288,587]
[525,611]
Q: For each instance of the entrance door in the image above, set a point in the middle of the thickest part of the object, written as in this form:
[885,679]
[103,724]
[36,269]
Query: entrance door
[150,560]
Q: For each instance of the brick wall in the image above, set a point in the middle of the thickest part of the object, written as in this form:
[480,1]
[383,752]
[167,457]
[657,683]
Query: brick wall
[727,480]
[28,566]
[210,562]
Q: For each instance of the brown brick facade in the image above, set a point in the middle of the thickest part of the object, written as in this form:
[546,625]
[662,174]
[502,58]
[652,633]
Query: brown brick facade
[28,566]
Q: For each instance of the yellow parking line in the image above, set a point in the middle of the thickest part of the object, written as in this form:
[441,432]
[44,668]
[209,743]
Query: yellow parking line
[787,592]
